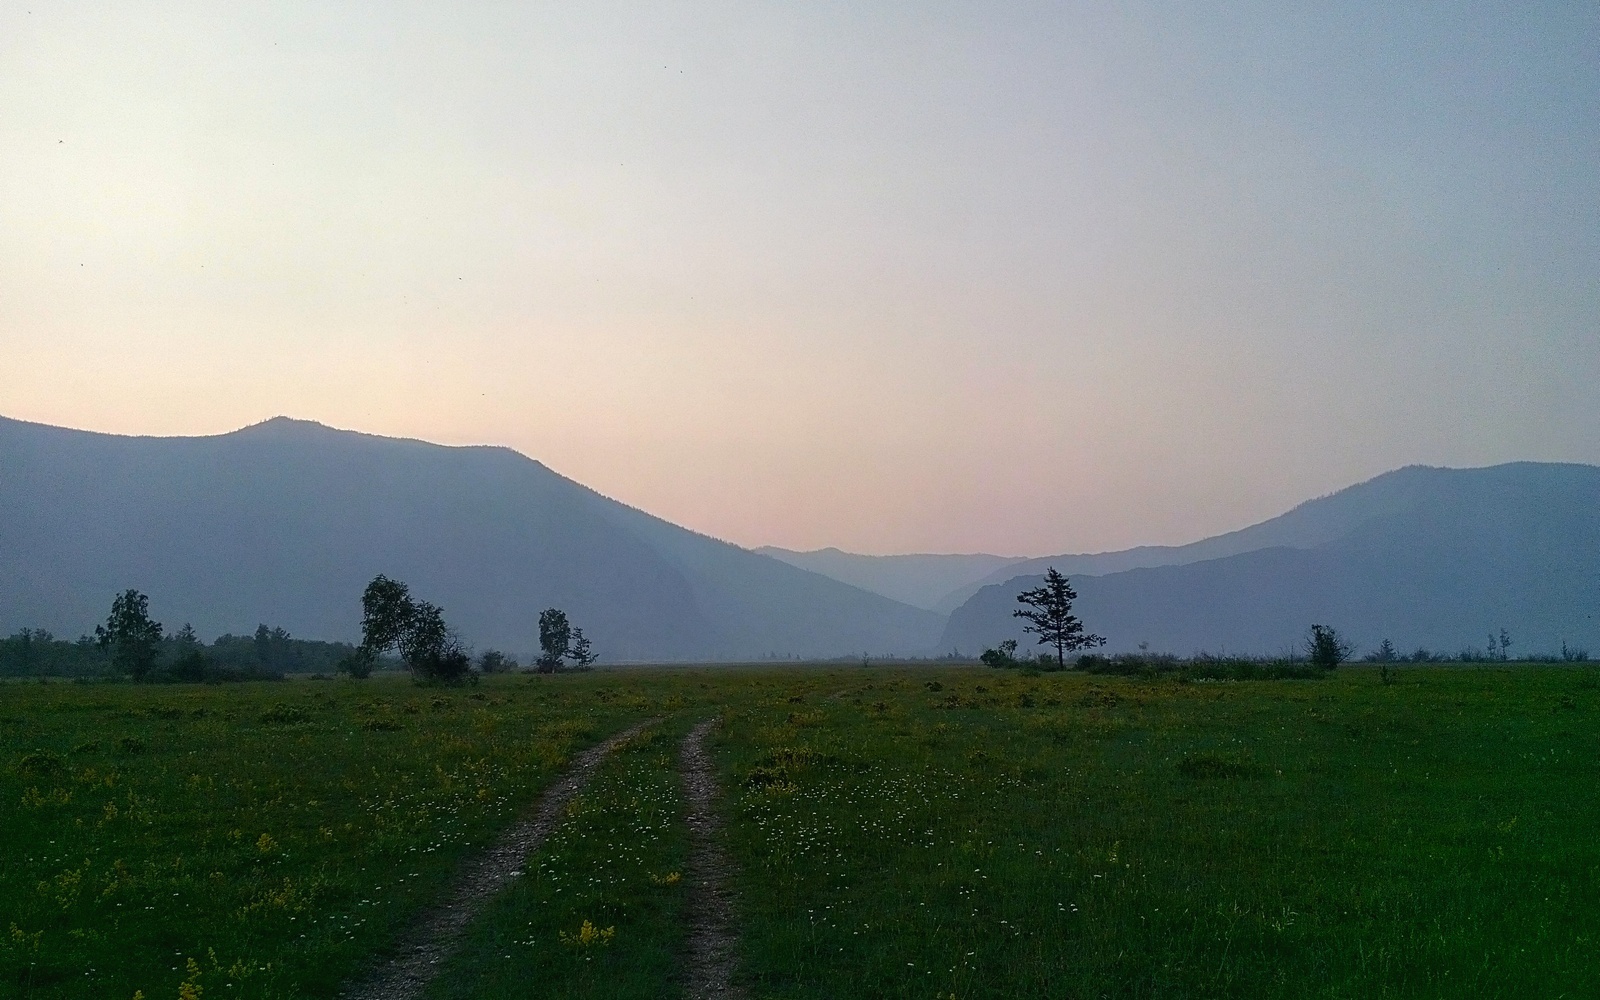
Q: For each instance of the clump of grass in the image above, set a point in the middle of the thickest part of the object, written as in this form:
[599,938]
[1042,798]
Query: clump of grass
[42,764]
[284,715]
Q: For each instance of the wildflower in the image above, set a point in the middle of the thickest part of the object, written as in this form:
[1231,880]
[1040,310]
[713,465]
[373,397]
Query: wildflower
[588,935]
[190,988]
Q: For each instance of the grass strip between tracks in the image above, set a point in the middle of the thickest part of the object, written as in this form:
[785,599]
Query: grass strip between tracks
[598,911]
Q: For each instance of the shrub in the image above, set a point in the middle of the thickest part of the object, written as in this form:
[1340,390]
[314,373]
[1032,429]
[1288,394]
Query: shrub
[285,715]
[495,662]
[1325,648]
[1005,655]
[450,665]
[357,664]
[42,764]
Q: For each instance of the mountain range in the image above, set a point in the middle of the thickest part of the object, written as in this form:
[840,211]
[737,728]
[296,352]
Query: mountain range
[1429,557]
[286,521]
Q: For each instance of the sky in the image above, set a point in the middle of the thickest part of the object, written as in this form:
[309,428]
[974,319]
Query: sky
[1018,278]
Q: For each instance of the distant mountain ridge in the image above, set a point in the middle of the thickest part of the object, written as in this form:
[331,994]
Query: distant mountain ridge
[922,580]
[284,522]
[1304,526]
[1421,556]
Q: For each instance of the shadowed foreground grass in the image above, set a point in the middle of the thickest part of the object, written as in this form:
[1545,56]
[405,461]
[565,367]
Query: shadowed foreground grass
[975,835]
[925,833]
[256,840]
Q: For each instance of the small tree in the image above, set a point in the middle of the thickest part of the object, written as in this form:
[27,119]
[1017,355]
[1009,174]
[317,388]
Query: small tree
[358,663]
[274,654]
[432,649]
[492,661]
[1325,648]
[555,639]
[130,635]
[1049,616]
[581,650]
[1004,656]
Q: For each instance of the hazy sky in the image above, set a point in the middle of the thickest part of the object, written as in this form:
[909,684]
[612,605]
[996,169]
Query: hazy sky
[891,277]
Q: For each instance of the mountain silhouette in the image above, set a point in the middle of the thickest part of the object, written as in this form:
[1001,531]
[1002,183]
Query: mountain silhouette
[285,522]
[1421,556]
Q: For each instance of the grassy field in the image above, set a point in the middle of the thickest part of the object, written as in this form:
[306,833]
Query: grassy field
[256,840]
[931,833]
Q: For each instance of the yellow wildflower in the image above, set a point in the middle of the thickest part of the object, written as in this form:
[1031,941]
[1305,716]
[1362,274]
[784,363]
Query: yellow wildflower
[589,935]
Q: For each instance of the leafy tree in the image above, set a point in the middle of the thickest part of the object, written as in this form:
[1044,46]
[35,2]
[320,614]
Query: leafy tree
[24,642]
[386,612]
[495,662]
[189,666]
[1325,648]
[426,635]
[1049,616]
[1005,656]
[581,650]
[415,629]
[431,649]
[130,635]
[274,652]
[555,639]
[358,663]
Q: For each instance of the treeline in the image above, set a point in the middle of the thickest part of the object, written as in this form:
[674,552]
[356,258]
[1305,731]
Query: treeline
[1047,611]
[395,622]
[268,654]
[397,630]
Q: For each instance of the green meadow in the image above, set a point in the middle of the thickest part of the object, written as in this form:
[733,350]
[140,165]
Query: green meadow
[898,832]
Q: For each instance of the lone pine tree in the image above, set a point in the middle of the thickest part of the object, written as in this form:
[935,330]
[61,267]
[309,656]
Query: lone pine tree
[1049,616]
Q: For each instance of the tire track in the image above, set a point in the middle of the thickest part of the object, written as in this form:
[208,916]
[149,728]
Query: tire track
[712,941]
[434,933]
